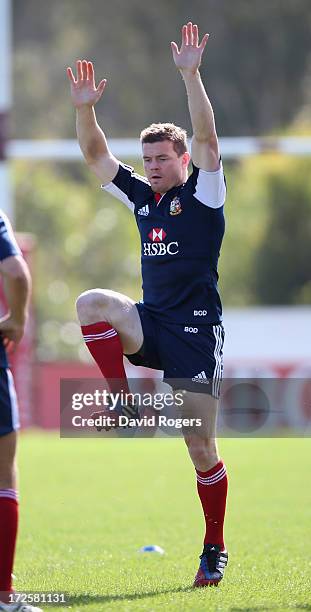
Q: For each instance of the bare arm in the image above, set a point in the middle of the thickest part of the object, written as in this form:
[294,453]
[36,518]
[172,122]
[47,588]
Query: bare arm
[92,140]
[205,151]
[17,287]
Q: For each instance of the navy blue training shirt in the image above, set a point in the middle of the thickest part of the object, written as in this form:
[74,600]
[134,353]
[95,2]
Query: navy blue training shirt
[8,248]
[181,236]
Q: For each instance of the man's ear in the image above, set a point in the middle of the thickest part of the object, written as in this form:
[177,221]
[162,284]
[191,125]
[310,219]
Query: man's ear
[186,159]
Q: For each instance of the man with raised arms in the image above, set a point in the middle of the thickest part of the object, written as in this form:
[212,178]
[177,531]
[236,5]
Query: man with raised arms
[177,326]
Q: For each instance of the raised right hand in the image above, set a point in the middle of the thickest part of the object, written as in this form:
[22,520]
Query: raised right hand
[83,89]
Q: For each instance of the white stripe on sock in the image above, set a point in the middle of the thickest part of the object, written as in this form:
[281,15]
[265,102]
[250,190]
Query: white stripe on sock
[214,475]
[106,336]
[9,494]
[100,334]
[209,484]
[210,480]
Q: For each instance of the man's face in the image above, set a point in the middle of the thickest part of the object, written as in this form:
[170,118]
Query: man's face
[163,168]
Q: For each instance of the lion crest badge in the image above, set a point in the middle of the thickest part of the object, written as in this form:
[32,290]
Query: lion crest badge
[175,207]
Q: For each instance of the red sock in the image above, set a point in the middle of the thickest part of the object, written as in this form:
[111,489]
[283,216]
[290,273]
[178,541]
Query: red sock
[105,346]
[212,488]
[8,533]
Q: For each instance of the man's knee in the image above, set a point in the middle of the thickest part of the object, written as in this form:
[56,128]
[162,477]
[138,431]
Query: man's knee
[203,451]
[93,305]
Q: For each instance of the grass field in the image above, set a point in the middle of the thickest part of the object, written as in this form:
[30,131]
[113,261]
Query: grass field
[87,506]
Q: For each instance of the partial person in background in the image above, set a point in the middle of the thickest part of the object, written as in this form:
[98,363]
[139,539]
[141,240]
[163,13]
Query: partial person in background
[16,284]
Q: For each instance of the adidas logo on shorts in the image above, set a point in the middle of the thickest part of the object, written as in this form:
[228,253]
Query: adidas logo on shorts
[144,211]
[201,378]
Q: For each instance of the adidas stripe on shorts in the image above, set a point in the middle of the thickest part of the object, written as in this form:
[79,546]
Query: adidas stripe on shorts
[191,356]
[9,419]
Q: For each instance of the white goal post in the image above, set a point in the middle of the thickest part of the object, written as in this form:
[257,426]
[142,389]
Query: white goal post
[130,148]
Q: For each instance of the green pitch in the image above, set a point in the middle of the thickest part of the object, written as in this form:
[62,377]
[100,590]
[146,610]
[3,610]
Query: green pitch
[87,506]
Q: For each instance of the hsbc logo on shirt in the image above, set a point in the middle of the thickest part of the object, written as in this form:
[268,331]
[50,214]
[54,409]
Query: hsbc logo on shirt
[157,246]
[157,234]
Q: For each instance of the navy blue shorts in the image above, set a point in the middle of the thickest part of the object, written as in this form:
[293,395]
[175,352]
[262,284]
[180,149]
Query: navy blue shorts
[190,356]
[9,419]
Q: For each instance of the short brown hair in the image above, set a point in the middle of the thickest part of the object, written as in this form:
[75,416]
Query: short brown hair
[157,132]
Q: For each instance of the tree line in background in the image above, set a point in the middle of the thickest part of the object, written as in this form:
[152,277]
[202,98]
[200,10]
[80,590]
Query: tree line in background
[257,64]
[257,70]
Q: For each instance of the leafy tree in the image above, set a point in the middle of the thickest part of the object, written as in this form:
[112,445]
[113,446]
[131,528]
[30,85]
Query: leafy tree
[282,273]
[266,252]
[256,65]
